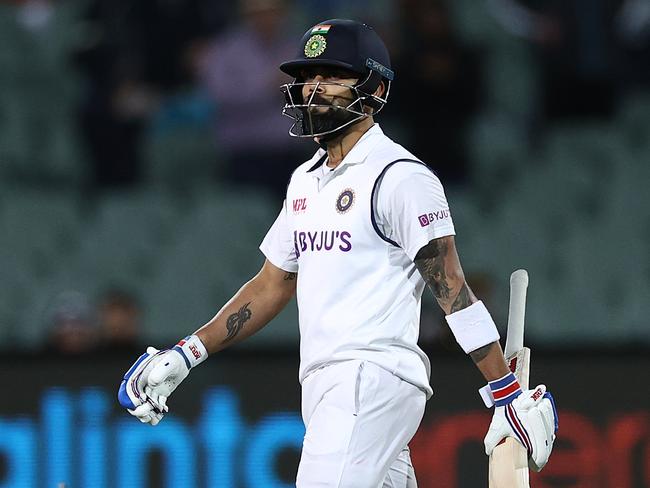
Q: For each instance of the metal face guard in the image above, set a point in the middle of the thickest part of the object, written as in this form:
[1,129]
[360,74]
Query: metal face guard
[300,111]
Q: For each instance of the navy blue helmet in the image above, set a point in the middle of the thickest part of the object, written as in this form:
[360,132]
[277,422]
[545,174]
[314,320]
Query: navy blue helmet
[340,45]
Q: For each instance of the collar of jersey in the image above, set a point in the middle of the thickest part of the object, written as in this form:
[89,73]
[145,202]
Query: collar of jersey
[357,154]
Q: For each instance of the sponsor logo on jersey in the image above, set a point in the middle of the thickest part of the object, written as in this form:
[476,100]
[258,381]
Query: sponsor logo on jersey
[321,241]
[345,200]
[315,46]
[426,219]
[299,205]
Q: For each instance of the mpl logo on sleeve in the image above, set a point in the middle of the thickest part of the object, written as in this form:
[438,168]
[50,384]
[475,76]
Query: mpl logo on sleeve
[431,217]
[299,205]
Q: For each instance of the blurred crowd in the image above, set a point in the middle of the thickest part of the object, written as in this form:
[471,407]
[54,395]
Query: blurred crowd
[113,76]
[79,326]
[155,66]
[590,52]
[149,57]
[158,66]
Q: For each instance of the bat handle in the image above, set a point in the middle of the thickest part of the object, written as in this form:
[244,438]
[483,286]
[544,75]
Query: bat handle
[516,312]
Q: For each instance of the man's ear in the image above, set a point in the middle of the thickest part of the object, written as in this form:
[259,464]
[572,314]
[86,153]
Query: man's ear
[381,89]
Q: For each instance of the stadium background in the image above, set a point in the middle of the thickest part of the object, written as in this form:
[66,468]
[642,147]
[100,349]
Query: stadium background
[142,159]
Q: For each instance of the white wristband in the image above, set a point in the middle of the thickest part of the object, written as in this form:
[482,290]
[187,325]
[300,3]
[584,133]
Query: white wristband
[192,350]
[473,327]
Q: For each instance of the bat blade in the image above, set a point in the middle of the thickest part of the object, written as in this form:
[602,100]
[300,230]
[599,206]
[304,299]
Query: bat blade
[508,465]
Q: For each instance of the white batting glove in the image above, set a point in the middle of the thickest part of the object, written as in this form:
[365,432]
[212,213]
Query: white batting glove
[131,393]
[155,375]
[529,416]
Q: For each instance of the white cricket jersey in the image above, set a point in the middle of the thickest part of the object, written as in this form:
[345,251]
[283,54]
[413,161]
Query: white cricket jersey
[352,234]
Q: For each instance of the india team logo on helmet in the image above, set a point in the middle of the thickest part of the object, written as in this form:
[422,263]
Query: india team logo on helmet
[345,200]
[315,46]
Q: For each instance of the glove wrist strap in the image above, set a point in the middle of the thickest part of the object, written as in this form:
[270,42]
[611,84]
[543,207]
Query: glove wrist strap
[192,350]
[505,389]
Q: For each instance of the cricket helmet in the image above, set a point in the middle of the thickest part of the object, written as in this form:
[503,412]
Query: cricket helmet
[339,44]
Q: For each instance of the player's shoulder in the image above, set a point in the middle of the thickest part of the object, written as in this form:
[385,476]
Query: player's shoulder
[400,164]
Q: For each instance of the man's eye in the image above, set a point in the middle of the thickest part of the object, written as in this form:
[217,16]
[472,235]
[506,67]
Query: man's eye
[342,75]
[308,74]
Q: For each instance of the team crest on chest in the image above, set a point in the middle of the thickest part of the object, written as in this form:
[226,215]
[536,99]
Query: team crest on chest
[345,200]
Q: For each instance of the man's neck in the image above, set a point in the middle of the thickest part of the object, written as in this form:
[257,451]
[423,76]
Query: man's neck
[338,148]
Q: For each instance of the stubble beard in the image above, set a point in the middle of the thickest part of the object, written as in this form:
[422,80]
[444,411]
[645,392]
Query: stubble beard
[328,119]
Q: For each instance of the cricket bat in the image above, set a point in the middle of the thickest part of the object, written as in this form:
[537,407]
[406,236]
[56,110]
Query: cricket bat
[508,464]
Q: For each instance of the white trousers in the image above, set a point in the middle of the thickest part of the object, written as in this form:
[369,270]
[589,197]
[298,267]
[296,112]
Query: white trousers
[359,419]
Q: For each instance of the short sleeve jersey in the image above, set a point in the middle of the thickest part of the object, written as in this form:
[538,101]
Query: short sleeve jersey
[352,235]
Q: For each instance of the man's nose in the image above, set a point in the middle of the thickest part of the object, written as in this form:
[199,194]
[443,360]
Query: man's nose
[314,84]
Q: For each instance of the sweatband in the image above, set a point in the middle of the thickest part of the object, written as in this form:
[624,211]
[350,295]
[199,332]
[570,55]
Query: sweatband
[473,327]
[505,389]
[192,350]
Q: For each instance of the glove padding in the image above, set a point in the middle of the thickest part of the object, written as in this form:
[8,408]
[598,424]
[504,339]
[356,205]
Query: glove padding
[149,382]
[532,419]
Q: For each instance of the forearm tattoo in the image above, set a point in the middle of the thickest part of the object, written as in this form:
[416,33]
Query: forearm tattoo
[463,300]
[236,321]
[481,353]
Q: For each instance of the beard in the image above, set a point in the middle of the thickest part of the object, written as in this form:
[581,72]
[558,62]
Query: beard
[317,120]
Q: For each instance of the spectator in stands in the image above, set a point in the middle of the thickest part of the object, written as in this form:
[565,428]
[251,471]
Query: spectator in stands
[72,330]
[118,316]
[239,70]
[574,40]
[440,78]
[133,57]
[632,29]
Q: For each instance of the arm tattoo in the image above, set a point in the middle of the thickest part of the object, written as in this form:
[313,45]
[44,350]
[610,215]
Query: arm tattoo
[236,321]
[431,263]
[481,353]
[290,276]
[438,264]
[463,300]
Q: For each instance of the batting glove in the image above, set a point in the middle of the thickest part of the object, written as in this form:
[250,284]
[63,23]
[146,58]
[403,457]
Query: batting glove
[155,375]
[529,416]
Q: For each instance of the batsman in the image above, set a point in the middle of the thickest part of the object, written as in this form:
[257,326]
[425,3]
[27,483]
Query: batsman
[364,226]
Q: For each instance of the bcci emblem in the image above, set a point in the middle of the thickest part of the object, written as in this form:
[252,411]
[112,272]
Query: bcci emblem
[315,46]
[345,200]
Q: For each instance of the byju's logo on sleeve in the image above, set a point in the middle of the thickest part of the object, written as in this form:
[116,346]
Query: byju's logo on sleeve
[431,217]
